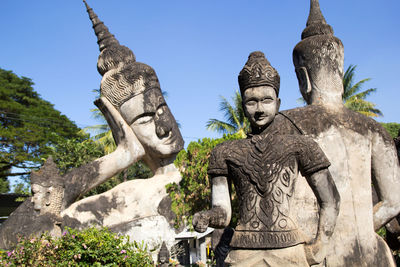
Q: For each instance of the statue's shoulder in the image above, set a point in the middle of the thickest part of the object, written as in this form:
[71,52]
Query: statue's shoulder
[362,124]
[315,119]
[309,120]
[227,146]
[228,151]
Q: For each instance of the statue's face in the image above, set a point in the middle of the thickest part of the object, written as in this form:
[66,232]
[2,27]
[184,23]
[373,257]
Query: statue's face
[153,124]
[41,197]
[260,105]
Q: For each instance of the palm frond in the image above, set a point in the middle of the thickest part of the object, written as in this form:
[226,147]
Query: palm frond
[348,78]
[220,126]
[365,93]
[354,98]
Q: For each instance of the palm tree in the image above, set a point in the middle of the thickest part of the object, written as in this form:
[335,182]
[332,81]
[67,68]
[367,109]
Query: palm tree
[236,121]
[354,99]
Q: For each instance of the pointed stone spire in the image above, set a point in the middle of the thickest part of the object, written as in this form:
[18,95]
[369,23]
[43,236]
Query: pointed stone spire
[316,23]
[104,37]
[47,175]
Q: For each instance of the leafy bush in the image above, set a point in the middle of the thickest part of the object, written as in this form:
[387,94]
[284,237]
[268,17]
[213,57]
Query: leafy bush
[90,247]
[392,127]
[193,193]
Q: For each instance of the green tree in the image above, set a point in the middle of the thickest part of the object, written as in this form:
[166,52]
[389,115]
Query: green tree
[193,193]
[29,126]
[236,121]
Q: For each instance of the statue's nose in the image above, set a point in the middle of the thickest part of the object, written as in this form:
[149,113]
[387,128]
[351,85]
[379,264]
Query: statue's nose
[163,126]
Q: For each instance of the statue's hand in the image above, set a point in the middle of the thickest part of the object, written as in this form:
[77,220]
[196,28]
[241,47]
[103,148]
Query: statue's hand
[122,132]
[315,252]
[200,221]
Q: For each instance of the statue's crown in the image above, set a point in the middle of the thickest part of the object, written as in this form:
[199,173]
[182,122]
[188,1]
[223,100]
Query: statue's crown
[316,23]
[258,72]
[126,77]
[48,175]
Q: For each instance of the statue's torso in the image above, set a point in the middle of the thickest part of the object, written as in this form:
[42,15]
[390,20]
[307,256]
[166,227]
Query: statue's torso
[264,170]
[346,138]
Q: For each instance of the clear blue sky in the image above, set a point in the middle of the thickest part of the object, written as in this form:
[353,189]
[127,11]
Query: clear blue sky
[196,47]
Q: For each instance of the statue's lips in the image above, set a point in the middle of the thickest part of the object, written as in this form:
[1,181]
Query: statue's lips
[261,118]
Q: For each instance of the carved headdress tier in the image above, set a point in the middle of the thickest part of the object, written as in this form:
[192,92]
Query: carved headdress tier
[104,37]
[319,48]
[258,72]
[316,23]
[47,175]
[123,77]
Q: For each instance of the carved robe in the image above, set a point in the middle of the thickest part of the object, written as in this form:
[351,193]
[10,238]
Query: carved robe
[264,170]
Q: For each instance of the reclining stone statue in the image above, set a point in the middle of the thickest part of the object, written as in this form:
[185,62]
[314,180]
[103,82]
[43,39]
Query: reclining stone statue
[139,208]
[360,150]
[52,193]
[264,169]
[143,128]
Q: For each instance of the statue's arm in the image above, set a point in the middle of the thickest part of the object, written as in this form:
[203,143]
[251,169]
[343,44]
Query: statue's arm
[129,150]
[219,216]
[386,180]
[328,199]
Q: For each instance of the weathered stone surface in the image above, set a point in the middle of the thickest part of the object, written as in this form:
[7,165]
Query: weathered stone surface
[397,142]
[25,221]
[290,256]
[264,169]
[131,208]
[360,150]
[39,213]
[163,256]
[144,128]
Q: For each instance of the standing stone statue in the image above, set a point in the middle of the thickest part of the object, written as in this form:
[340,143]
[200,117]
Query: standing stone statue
[361,152]
[138,208]
[264,169]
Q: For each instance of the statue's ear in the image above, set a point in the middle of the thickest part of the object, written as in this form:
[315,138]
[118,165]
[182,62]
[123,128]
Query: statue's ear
[304,82]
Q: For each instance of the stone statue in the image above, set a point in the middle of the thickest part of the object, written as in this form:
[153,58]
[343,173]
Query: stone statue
[138,208]
[163,256]
[52,193]
[143,129]
[264,169]
[360,150]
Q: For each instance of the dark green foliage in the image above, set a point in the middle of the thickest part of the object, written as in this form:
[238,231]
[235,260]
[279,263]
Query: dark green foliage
[29,126]
[393,128]
[193,193]
[4,185]
[90,247]
[73,153]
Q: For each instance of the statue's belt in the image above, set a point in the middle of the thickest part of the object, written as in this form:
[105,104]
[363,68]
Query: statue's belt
[266,239]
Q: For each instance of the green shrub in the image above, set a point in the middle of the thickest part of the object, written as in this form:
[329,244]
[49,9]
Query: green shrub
[193,193]
[393,128]
[90,247]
